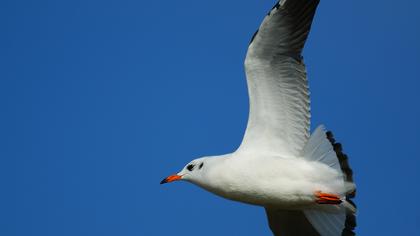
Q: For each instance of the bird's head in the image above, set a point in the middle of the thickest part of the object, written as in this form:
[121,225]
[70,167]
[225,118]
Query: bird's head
[192,172]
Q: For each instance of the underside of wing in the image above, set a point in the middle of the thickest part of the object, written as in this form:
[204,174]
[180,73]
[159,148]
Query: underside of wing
[289,223]
[277,85]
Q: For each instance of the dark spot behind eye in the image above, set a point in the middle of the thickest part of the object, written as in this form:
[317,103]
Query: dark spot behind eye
[201,165]
[190,167]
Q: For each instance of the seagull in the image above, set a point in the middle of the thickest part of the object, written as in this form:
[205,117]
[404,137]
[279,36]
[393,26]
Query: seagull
[303,181]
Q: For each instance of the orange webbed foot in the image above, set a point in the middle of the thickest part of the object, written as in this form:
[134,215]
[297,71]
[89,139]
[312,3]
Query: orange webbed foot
[327,198]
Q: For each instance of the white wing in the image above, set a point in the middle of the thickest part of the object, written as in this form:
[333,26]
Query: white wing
[278,90]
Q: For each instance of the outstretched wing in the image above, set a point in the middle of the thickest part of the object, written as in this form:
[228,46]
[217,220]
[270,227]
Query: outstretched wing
[278,90]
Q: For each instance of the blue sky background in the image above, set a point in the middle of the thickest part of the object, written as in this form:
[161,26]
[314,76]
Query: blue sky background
[102,99]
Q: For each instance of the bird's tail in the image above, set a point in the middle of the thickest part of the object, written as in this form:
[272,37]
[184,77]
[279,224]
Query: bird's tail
[322,147]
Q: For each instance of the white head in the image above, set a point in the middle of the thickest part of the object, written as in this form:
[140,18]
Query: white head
[193,172]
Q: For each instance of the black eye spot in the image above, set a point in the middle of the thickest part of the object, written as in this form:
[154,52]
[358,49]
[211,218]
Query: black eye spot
[201,165]
[190,167]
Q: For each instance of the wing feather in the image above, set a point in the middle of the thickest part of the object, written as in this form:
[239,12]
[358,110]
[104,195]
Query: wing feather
[289,223]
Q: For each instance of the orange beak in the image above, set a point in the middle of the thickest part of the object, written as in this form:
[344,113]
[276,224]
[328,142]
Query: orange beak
[170,179]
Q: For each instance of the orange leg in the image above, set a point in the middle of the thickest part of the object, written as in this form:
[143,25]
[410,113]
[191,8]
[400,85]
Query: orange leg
[327,198]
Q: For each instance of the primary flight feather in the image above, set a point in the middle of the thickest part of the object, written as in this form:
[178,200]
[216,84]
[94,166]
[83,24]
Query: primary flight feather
[303,181]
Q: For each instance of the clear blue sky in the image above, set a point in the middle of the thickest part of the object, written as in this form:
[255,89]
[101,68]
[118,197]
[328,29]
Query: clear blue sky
[102,99]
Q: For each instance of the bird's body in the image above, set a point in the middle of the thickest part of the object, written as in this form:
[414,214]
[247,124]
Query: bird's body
[269,181]
[303,181]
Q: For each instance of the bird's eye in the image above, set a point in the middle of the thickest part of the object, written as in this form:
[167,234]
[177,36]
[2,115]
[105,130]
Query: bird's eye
[190,167]
[201,165]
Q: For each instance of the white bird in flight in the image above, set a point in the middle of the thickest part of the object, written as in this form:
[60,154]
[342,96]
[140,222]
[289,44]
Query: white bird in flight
[303,181]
